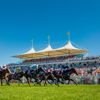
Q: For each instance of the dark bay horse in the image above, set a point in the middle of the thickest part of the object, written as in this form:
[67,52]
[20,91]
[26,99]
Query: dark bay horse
[17,76]
[68,73]
[47,77]
[34,74]
[3,75]
[28,74]
[65,75]
[39,75]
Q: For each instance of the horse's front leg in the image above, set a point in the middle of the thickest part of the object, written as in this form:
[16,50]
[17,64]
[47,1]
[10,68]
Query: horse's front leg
[73,81]
[20,81]
[38,81]
[45,81]
[28,81]
[69,81]
[56,82]
[7,80]
[62,80]
[1,82]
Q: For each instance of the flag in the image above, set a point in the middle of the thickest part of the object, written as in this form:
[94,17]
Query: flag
[68,33]
[32,43]
[48,37]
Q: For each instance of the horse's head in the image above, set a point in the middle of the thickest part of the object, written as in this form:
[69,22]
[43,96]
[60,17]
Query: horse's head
[21,74]
[6,70]
[40,69]
[73,71]
[54,72]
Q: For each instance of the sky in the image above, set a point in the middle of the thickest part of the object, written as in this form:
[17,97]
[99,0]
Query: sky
[24,20]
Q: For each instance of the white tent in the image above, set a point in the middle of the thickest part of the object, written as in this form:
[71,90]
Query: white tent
[48,48]
[69,46]
[70,49]
[32,50]
[48,51]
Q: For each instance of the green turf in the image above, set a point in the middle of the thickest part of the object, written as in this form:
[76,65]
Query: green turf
[64,92]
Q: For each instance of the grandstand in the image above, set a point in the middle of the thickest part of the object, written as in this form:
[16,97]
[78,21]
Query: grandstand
[66,56]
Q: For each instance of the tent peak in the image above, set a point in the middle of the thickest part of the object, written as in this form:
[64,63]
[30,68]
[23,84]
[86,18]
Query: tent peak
[48,48]
[69,45]
[32,50]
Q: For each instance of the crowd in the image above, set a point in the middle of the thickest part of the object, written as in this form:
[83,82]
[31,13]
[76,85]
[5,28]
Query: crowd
[49,59]
[60,59]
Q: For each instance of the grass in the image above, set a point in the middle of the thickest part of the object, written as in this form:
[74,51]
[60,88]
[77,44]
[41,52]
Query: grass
[64,92]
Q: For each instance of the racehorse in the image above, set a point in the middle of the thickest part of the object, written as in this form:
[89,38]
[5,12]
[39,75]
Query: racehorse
[46,76]
[34,74]
[40,75]
[65,75]
[17,76]
[50,76]
[58,76]
[28,74]
[3,75]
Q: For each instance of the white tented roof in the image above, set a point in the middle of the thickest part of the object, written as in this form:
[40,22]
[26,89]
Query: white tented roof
[68,46]
[32,50]
[48,48]
[48,51]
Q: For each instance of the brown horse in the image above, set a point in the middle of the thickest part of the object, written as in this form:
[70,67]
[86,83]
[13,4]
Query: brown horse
[3,75]
[17,76]
[65,75]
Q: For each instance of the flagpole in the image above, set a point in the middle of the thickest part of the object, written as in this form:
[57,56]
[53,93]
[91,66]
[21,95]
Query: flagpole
[48,45]
[32,43]
[68,34]
[48,39]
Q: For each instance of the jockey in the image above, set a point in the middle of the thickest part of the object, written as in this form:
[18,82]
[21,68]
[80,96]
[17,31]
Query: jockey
[24,69]
[3,67]
[65,68]
[37,66]
[28,70]
[40,69]
[0,68]
[49,70]
[18,70]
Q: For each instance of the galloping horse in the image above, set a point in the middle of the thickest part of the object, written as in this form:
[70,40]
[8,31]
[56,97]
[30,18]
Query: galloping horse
[3,75]
[28,74]
[40,75]
[67,73]
[15,76]
[58,76]
[46,76]
[34,74]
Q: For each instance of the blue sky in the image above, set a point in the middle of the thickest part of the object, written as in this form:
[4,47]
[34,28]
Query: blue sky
[24,20]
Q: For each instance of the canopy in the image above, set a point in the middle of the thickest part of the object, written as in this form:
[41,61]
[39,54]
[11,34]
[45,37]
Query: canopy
[70,49]
[48,51]
[65,50]
[32,50]
[29,54]
[48,48]
[69,46]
